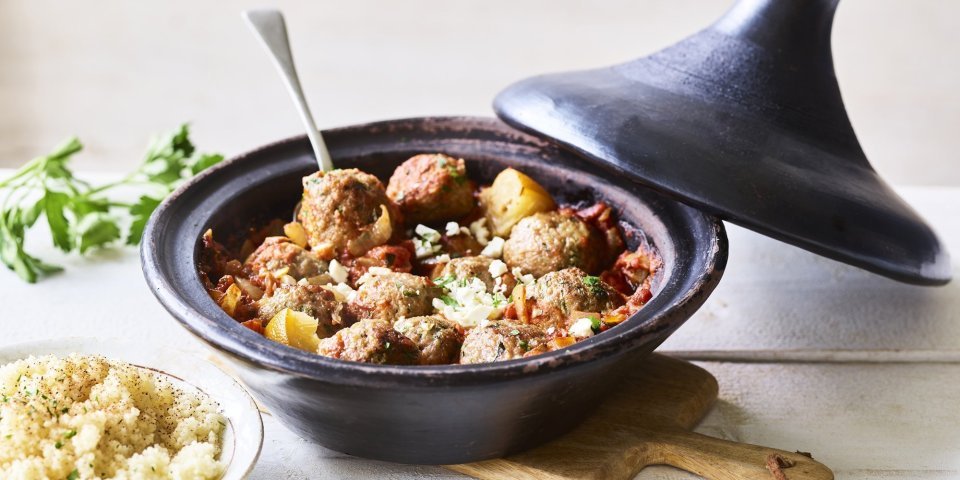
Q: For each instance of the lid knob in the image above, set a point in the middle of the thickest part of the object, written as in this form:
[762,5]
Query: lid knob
[745,120]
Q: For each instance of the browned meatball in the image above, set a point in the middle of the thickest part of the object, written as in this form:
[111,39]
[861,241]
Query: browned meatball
[558,295]
[390,295]
[498,341]
[432,188]
[340,212]
[550,241]
[460,245]
[478,267]
[438,339]
[371,341]
[313,300]
[278,253]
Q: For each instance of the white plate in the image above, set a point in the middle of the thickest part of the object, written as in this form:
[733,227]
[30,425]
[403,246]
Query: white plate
[243,436]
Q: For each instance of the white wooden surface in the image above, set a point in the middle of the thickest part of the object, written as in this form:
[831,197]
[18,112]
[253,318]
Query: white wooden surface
[810,354]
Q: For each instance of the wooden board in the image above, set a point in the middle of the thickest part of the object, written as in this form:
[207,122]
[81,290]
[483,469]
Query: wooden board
[648,422]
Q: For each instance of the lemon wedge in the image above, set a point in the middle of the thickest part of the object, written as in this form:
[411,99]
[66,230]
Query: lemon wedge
[296,329]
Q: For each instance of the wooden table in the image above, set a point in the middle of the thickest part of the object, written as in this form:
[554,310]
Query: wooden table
[810,354]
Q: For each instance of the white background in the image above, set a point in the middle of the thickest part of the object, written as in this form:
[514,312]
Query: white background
[115,71]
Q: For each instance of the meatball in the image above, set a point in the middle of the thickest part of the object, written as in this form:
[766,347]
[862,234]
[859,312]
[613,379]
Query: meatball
[313,300]
[277,253]
[460,245]
[558,295]
[498,341]
[371,341]
[390,295]
[438,339]
[550,241]
[431,188]
[479,267]
[340,212]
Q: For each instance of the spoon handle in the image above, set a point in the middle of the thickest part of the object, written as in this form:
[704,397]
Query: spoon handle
[272,30]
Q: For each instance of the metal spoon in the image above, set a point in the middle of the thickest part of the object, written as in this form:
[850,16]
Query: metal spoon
[272,31]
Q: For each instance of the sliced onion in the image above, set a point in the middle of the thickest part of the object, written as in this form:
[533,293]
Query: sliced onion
[520,303]
[230,299]
[377,234]
[249,288]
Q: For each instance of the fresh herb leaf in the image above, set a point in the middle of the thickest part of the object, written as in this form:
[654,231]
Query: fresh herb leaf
[55,207]
[96,230]
[141,212]
[595,285]
[204,162]
[70,434]
[595,323]
[82,217]
[450,301]
[74,475]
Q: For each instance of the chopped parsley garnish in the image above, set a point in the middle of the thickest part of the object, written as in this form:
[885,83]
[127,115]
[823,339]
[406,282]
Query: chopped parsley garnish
[456,175]
[445,281]
[514,332]
[524,345]
[70,434]
[448,300]
[74,475]
[595,286]
[595,323]
[58,445]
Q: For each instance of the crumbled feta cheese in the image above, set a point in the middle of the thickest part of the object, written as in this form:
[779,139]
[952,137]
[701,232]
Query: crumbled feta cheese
[551,330]
[494,248]
[582,328]
[526,279]
[371,272]
[425,244]
[499,286]
[427,233]
[452,228]
[498,268]
[445,258]
[468,302]
[341,291]
[402,324]
[424,248]
[338,272]
[480,231]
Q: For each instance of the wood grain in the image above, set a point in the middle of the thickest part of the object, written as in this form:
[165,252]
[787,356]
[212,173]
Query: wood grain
[648,422]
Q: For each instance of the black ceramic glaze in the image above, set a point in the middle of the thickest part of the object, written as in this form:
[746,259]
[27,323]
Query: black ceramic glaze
[744,120]
[437,414]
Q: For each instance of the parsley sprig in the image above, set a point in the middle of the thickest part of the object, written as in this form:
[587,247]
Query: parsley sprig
[83,217]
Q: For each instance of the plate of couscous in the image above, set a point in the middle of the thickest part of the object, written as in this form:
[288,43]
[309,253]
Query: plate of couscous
[109,409]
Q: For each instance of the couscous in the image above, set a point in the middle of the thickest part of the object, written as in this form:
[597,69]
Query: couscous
[81,417]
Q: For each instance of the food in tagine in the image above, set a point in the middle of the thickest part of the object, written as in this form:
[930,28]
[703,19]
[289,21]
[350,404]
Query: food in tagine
[430,269]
